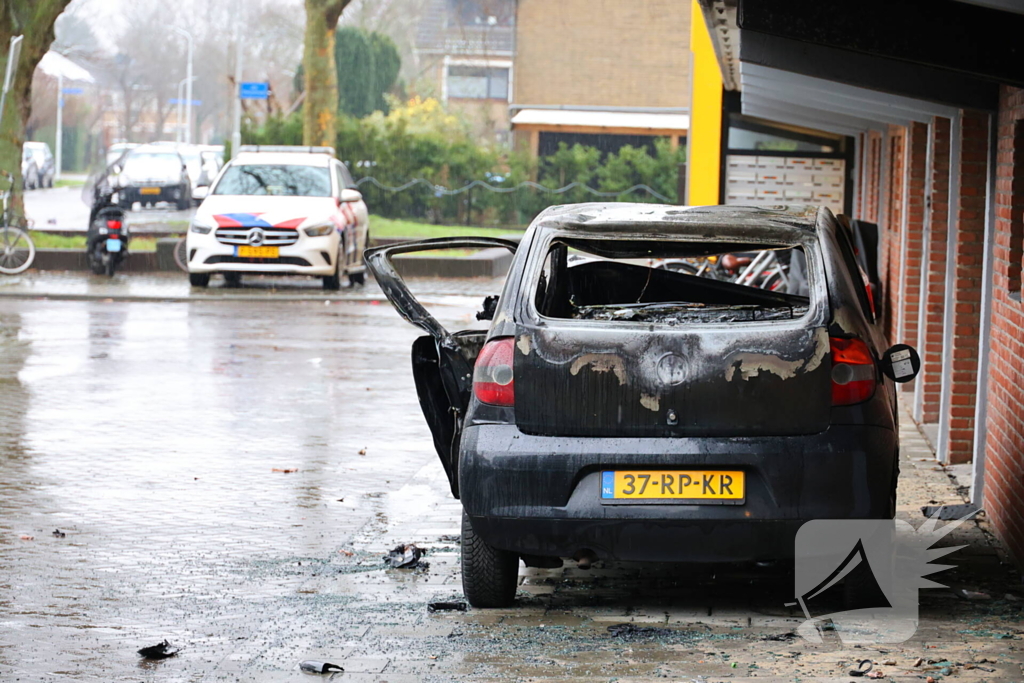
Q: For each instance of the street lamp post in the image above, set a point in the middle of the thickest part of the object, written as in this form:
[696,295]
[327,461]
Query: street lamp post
[188,85]
[178,109]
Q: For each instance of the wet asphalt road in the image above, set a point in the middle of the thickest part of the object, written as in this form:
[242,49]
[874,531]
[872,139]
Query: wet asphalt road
[149,433]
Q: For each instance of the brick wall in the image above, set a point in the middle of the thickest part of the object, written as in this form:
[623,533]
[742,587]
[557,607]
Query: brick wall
[930,345]
[1004,466]
[572,52]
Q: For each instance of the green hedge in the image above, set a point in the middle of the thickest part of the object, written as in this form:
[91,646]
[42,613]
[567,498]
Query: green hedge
[421,140]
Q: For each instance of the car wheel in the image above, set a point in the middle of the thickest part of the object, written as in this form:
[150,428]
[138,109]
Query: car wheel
[233,279]
[357,278]
[489,575]
[199,279]
[332,283]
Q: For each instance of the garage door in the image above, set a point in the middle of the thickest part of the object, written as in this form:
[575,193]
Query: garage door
[765,180]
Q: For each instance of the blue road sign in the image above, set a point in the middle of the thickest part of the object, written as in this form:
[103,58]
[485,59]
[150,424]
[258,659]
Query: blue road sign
[73,91]
[254,91]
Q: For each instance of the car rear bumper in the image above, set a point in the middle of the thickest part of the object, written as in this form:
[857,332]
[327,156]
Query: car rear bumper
[542,495]
[164,193]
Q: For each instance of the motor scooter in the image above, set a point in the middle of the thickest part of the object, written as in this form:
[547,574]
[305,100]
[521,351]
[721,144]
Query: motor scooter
[107,239]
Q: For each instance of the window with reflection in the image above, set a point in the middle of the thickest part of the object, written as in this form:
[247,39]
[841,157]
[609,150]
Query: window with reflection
[278,180]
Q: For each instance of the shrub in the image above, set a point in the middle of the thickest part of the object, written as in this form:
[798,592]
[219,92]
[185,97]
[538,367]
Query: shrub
[421,140]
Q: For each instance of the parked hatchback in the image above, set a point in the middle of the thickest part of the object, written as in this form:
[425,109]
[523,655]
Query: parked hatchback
[623,408]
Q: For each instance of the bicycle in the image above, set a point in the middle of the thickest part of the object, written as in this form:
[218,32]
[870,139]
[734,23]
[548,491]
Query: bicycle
[181,254]
[17,250]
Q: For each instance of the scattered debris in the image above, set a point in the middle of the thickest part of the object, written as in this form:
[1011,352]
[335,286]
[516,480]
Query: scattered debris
[446,607]
[315,667]
[877,673]
[160,650]
[864,667]
[889,662]
[57,533]
[634,631]
[781,637]
[1011,597]
[929,680]
[285,470]
[405,556]
[919,661]
[347,552]
[26,537]
[362,451]
[971,595]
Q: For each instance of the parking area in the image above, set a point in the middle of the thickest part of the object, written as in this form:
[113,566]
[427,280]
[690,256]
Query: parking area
[228,473]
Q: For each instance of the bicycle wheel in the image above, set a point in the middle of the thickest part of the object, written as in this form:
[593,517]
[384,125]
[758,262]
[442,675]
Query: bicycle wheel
[16,250]
[181,254]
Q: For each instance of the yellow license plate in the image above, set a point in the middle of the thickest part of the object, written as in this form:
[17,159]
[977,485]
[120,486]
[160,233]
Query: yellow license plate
[675,485]
[150,190]
[258,252]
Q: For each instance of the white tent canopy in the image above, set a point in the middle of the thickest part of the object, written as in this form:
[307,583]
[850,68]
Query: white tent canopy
[55,64]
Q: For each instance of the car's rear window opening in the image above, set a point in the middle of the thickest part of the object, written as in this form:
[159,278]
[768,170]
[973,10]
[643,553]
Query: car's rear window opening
[672,282]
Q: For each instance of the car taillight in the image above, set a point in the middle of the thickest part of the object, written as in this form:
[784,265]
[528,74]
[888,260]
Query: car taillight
[493,381]
[113,226]
[853,371]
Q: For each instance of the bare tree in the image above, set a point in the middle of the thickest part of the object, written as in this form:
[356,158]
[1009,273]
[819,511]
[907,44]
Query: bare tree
[34,20]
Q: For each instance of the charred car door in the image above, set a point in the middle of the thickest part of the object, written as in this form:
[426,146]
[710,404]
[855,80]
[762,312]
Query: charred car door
[442,361]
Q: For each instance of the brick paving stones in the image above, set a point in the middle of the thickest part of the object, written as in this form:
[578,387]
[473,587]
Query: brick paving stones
[149,432]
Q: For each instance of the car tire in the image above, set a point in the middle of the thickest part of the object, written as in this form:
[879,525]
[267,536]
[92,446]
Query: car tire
[332,283]
[357,278]
[489,575]
[199,279]
[233,279]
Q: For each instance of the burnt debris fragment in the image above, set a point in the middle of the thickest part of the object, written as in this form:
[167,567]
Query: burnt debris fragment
[442,606]
[314,667]
[161,650]
[405,556]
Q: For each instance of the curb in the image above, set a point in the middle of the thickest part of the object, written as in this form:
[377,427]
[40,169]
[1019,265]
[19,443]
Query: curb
[178,299]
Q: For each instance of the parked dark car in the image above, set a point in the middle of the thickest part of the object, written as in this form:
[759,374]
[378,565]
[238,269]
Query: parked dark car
[618,409]
[152,174]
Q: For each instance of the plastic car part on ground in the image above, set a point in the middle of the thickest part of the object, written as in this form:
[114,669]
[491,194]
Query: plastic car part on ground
[161,650]
[315,667]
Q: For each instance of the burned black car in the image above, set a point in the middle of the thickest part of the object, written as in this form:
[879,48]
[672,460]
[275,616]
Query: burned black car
[634,401]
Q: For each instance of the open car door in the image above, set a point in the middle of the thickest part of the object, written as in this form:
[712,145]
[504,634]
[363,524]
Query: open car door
[442,362]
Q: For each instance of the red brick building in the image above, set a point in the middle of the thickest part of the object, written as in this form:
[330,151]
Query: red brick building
[930,98]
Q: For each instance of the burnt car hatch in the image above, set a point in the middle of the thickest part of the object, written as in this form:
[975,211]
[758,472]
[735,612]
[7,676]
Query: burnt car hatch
[442,361]
[611,345]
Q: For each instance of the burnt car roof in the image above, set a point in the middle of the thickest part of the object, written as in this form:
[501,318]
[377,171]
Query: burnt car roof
[622,217]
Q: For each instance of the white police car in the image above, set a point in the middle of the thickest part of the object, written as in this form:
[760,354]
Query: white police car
[279,210]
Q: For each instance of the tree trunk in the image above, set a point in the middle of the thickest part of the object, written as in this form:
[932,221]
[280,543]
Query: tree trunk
[34,20]
[321,107]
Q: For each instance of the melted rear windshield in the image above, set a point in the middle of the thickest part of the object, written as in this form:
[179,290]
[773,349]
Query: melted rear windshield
[672,283]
